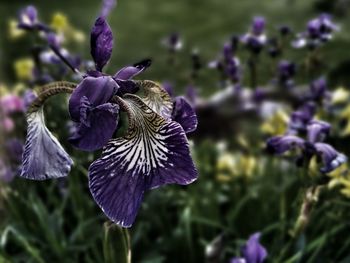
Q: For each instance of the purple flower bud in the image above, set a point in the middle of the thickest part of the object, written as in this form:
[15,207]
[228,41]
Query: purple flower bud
[101,43]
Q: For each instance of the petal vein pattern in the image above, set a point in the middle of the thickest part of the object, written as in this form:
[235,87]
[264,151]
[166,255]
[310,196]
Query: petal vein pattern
[43,156]
[154,152]
[156,98]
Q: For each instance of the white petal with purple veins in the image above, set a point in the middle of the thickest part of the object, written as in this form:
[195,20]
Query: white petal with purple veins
[154,152]
[43,157]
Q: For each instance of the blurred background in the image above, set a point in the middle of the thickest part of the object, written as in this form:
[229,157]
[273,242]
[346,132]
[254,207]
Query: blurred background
[241,190]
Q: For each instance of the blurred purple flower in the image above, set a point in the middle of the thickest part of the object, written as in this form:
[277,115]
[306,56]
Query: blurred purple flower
[286,72]
[28,20]
[173,42]
[331,159]
[11,103]
[252,251]
[256,38]
[301,117]
[318,31]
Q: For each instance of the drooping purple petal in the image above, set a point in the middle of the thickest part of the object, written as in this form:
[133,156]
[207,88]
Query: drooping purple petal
[97,126]
[253,251]
[282,144]
[331,158]
[154,152]
[101,43]
[129,72]
[97,90]
[43,157]
[317,131]
[184,114]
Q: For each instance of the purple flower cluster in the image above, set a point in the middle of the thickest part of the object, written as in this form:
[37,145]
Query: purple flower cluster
[302,122]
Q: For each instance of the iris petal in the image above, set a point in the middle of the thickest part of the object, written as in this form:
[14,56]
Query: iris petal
[97,90]
[156,98]
[96,128]
[129,72]
[253,251]
[154,152]
[184,114]
[43,156]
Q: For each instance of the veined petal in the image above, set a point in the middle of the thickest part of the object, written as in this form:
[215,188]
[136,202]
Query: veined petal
[43,156]
[101,43]
[154,152]
[156,98]
[184,114]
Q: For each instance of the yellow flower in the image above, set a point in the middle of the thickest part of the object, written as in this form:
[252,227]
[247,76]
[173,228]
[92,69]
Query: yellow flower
[340,95]
[24,68]
[345,114]
[13,31]
[277,124]
[230,165]
[59,22]
[341,177]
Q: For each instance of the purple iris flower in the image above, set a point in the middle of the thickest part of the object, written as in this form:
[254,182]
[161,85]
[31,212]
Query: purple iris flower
[153,152]
[316,132]
[256,39]
[318,90]
[28,19]
[318,31]
[252,251]
[282,144]
[89,105]
[228,64]
[301,117]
